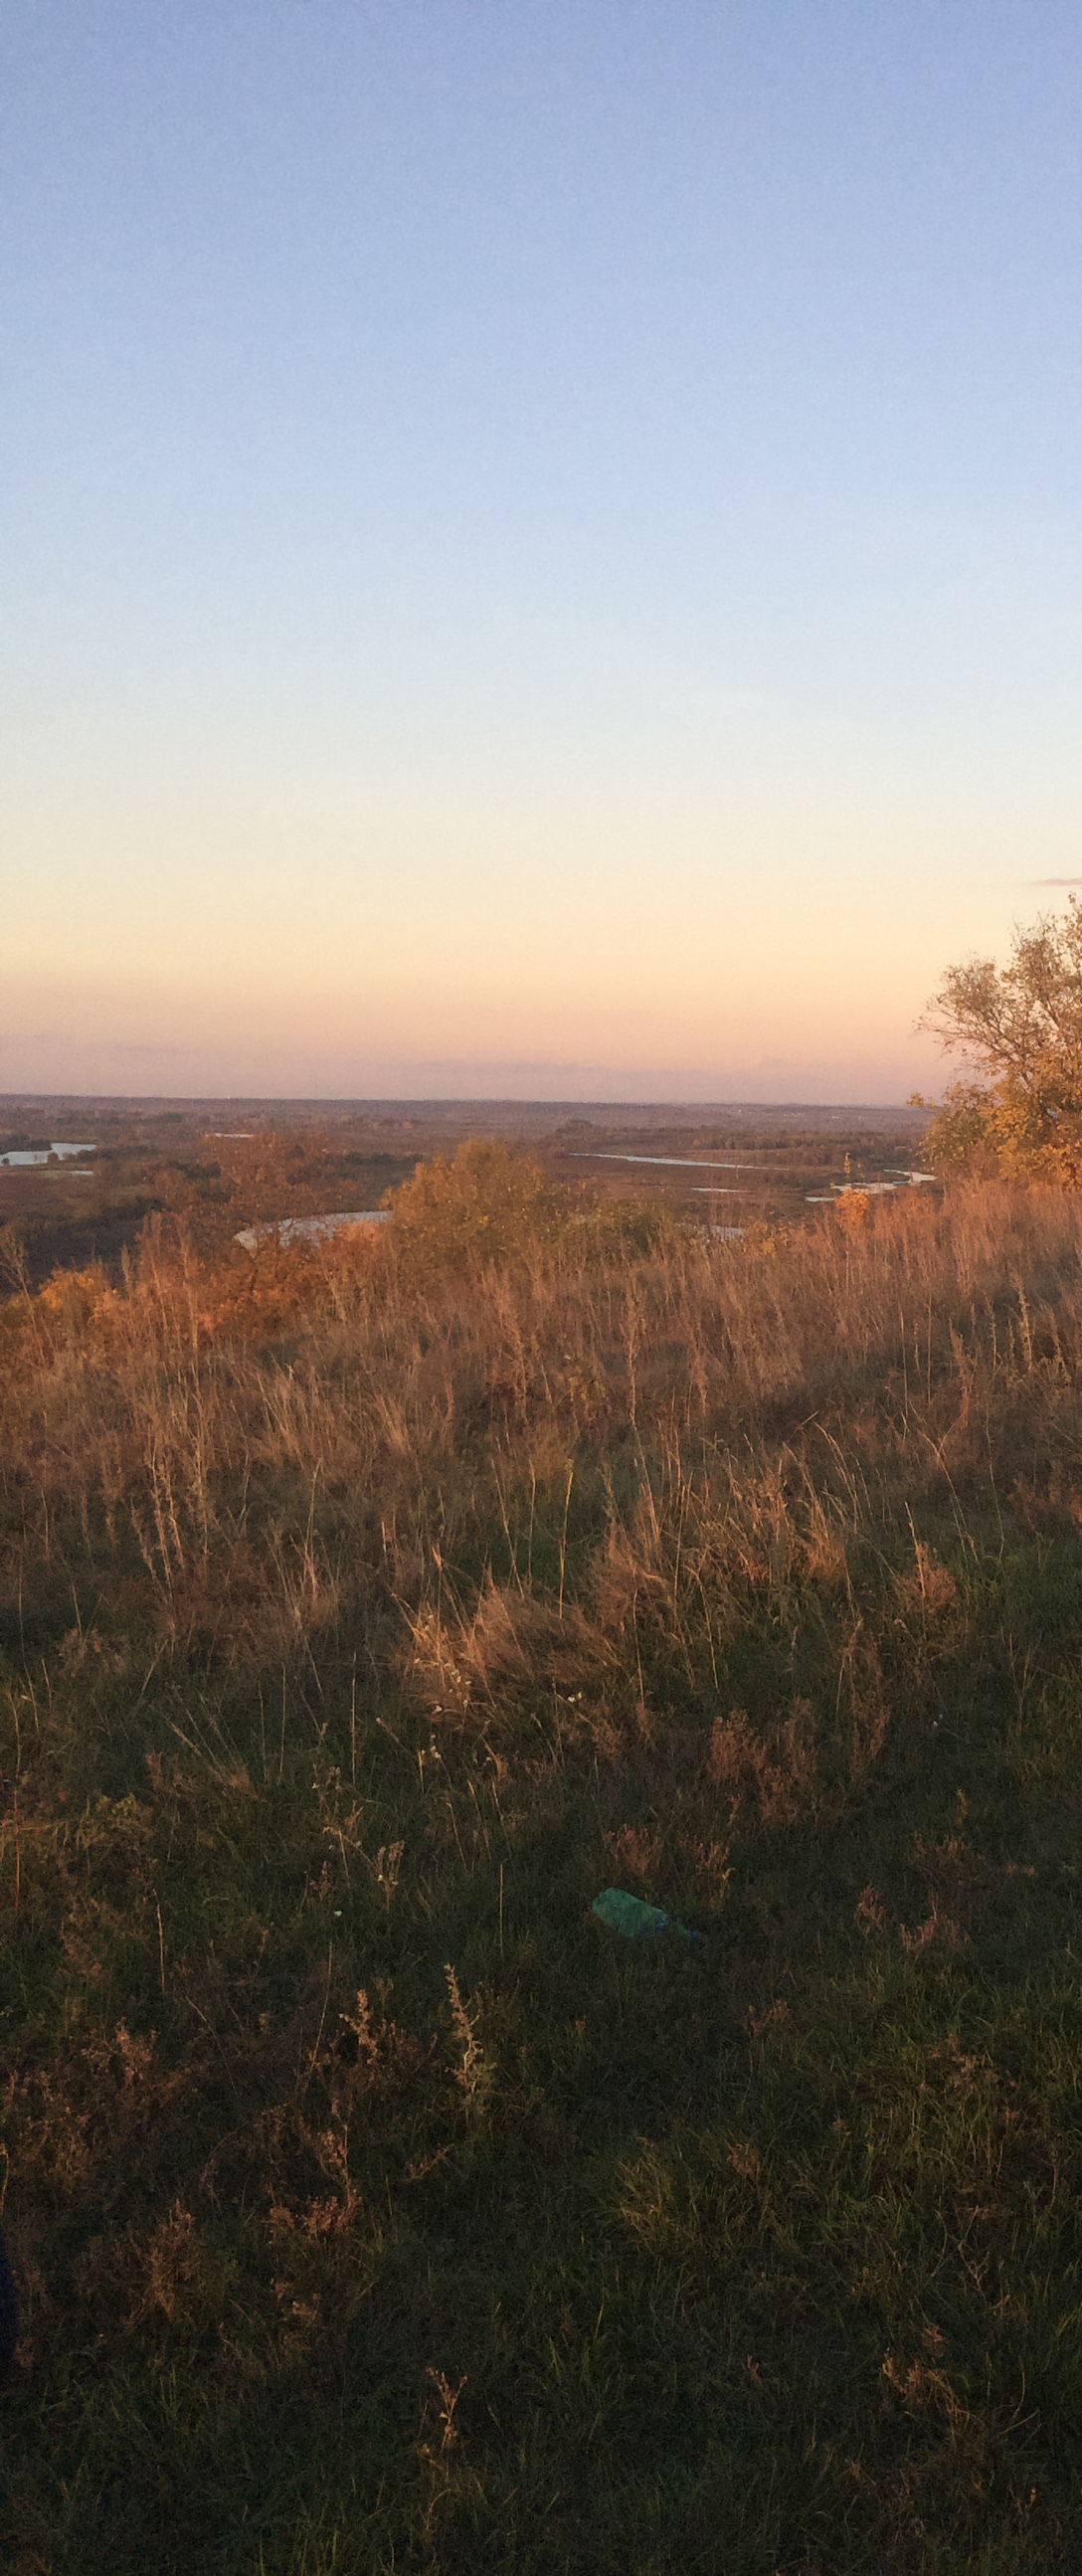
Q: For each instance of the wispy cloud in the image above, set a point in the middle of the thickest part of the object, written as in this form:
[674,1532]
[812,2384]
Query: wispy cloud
[1054,881]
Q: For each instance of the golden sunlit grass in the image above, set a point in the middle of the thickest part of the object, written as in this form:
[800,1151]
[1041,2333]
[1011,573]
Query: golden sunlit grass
[370,1606]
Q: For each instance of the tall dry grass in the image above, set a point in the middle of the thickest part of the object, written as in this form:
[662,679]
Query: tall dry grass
[366,2196]
[242,1455]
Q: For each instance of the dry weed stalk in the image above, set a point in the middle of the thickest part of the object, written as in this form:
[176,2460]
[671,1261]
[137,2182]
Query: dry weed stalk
[474,2072]
[779,1770]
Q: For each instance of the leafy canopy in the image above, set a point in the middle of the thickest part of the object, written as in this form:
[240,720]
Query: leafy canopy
[1020,1027]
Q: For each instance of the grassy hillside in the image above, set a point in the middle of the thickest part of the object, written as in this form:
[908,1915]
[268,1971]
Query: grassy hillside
[365,1612]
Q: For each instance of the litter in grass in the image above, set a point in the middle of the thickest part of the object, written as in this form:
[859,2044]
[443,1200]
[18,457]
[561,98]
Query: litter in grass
[634,1918]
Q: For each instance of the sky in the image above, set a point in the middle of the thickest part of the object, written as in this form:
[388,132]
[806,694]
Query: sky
[540,539]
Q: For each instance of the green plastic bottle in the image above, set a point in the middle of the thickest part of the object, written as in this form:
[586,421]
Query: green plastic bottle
[634,1918]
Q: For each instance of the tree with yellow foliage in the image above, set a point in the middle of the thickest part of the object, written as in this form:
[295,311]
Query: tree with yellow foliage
[484,1203]
[1020,1026]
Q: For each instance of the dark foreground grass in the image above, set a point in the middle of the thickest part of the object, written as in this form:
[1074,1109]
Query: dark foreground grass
[375,2209]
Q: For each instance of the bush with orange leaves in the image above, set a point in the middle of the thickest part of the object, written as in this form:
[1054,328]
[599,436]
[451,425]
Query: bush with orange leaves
[852,1209]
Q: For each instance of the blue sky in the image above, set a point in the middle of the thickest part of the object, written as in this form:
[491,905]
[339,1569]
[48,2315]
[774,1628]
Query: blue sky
[541,542]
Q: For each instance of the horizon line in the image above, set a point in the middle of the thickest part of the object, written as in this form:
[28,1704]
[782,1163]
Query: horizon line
[413,1100]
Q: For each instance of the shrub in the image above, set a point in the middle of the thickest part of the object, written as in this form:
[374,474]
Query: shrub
[484,1203]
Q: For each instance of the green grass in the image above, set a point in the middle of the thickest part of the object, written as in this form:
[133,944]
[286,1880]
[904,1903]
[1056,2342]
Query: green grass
[583,2257]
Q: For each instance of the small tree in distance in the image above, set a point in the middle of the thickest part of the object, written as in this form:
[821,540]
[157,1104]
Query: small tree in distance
[487,1202]
[1020,1026]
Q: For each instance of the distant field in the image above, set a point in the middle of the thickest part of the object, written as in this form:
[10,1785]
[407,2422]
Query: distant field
[368,1609]
[157,1156]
